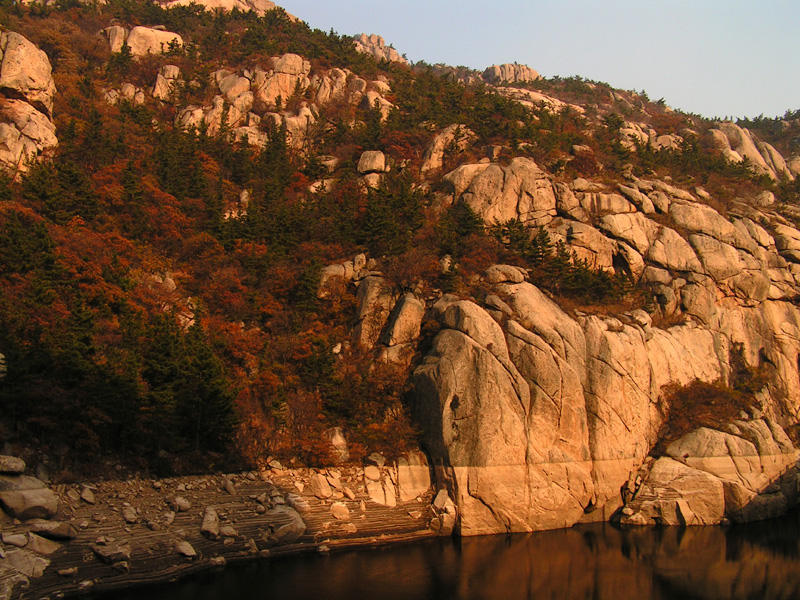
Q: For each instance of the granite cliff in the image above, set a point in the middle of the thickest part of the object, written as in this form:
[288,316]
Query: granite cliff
[273,241]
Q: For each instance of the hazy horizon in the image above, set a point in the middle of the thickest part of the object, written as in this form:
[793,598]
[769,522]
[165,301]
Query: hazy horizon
[714,58]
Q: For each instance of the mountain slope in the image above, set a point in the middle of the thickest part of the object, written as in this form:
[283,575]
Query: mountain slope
[161,296]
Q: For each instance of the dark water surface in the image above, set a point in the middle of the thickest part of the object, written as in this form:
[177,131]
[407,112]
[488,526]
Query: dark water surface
[755,561]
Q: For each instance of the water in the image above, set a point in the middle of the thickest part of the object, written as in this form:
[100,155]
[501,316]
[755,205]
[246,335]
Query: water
[755,561]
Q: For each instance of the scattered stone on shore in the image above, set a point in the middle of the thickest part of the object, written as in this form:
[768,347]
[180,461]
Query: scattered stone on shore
[286,525]
[37,543]
[227,531]
[111,553]
[340,511]
[27,563]
[320,487]
[206,511]
[129,514]
[184,548]
[53,530]
[87,495]
[210,525]
[298,503]
[228,486]
[15,539]
[122,566]
[179,504]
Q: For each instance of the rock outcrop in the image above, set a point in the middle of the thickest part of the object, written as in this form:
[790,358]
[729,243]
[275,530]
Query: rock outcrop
[26,105]
[253,101]
[452,139]
[141,40]
[746,474]
[260,7]
[540,423]
[375,46]
[738,144]
[536,418]
[509,73]
[21,496]
[497,193]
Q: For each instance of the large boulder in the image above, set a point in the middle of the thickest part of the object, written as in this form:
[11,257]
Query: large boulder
[26,81]
[11,465]
[25,72]
[520,190]
[746,474]
[372,161]
[375,302]
[24,498]
[144,40]
[474,414]
[404,323]
[675,494]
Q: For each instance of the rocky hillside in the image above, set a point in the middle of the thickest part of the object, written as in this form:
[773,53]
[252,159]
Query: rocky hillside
[227,237]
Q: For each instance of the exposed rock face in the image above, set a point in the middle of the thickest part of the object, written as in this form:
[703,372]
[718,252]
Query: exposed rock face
[539,424]
[509,73]
[27,88]
[536,100]
[167,83]
[252,101]
[372,161]
[141,40]
[258,6]
[519,191]
[746,474]
[631,135]
[453,138]
[537,419]
[25,73]
[375,46]
[738,143]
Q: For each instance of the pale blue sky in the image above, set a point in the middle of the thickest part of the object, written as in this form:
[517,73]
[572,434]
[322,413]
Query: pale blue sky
[711,57]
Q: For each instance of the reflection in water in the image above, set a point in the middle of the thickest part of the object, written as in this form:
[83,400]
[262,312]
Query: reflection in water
[760,560]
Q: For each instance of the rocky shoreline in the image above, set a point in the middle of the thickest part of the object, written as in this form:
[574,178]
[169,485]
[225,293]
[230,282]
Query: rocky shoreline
[117,534]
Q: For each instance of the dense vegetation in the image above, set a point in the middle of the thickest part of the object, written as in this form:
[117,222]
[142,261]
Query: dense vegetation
[138,322]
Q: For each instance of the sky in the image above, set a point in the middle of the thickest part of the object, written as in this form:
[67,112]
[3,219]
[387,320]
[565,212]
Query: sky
[716,58]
